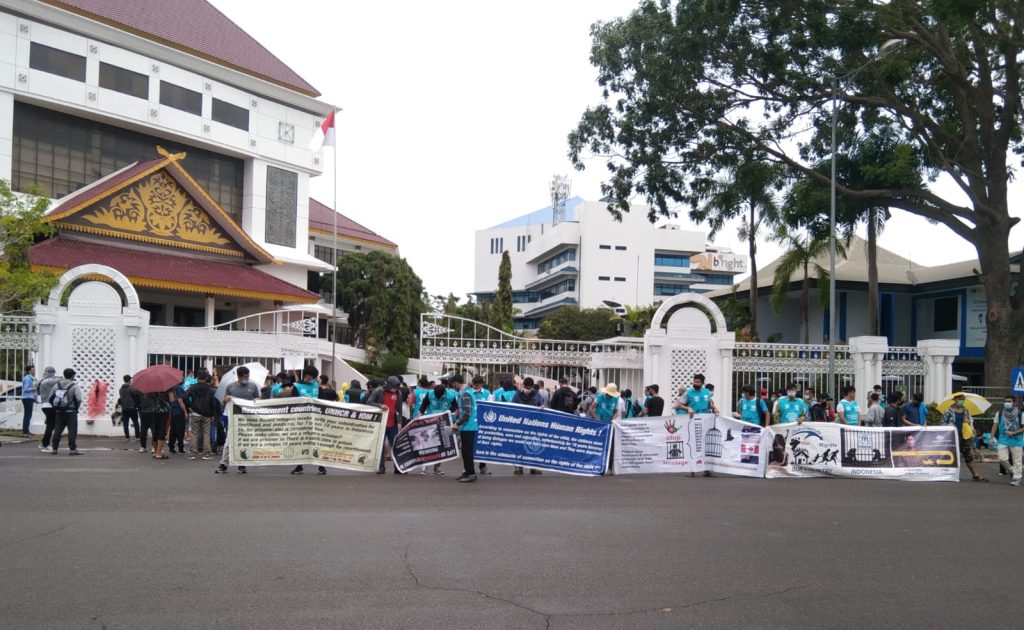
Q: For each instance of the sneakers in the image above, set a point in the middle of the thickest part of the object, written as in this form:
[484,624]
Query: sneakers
[53,452]
[484,470]
[381,471]
[74,452]
[221,469]
[142,449]
[1015,482]
[43,448]
[192,457]
[206,456]
[297,470]
[536,472]
[467,479]
[517,470]
[321,471]
[423,470]
[437,470]
[241,470]
[172,451]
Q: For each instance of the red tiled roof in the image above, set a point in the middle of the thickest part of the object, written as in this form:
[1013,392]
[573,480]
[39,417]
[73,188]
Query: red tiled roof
[169,271]
[196,27]
[321,218]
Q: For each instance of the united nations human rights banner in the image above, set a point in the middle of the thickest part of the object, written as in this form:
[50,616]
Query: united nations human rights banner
[824,449]
[291,431]
[543,439]
[674,444]
[425,440]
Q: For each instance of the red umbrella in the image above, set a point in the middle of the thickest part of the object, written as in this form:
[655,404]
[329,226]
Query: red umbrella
[156,378]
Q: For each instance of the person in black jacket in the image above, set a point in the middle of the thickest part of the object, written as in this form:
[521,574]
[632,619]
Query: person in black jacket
[564,398]
[203,408]
[527,396]
[130,399]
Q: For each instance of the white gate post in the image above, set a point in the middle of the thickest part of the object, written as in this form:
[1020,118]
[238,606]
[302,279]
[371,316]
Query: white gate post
[938,356]
[868,353]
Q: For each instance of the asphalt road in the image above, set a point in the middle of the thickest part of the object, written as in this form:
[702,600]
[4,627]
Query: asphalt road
[114,539]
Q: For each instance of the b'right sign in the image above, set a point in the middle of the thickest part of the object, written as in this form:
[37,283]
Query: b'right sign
[1017,380]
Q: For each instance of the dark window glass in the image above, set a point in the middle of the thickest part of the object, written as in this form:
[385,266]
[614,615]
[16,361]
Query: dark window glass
[719,280]
[671,260]
[124,81]
[564,286]
[57,62]
[324,253]
[229,114]
[181,98]
[669,289]
[282,206]
[556,260]
[620,248]
[605,246]
[603,278]
[945,313]
[192,317]
[62,153]
[618,279]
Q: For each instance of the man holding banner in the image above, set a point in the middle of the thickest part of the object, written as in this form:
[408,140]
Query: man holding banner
[467,426]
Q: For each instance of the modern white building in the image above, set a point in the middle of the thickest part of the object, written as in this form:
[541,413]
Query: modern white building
[593,260]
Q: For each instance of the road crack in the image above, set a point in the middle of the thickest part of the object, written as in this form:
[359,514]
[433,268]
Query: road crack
[12,543]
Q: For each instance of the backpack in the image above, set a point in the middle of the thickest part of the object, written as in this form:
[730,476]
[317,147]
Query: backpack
[638,409]
[202,401]
[568,401]
[61,396]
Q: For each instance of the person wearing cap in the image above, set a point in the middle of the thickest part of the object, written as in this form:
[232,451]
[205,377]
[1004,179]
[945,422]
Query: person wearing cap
[438,400]
[606,404]
[958,416]
[66,399]
[45,389]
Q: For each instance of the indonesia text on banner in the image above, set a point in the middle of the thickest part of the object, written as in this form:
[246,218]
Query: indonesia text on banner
[819,449]
[542,439]
[684,444]
[288,431]
[425,440]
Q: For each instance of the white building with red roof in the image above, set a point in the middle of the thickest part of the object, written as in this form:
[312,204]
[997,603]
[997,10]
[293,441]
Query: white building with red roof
[175,149]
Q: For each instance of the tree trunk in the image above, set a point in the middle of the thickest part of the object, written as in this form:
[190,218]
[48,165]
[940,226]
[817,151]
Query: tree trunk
[752,240]
[1004,341]
[873,272]
[805,302]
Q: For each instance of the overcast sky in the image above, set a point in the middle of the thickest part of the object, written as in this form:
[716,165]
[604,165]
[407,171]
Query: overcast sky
[455,115]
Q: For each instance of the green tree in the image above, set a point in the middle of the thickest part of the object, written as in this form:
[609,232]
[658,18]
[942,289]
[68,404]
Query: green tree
[748,191]
[575,324]
[383,297]
[501,311]
[21,225]
[803,252]
[637,320]
[690,85]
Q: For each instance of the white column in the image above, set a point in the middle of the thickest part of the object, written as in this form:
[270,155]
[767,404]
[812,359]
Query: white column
[210,312]
[868,353]
[724,397]
[938,356]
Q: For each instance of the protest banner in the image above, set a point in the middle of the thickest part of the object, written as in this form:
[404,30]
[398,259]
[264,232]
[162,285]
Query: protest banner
[291,431]
[674,444]
[425,440]
[824,449]
[540,438]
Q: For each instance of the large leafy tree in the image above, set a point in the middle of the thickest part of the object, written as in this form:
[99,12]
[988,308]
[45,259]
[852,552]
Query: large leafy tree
[748,191]
[575,324]
[690,85]
[21,224]
[383,297]
[802,254]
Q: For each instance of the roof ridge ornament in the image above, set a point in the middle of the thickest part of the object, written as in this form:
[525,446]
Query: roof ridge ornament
[173,157]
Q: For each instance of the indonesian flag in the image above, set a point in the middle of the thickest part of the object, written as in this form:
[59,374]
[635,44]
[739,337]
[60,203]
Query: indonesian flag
[324,135]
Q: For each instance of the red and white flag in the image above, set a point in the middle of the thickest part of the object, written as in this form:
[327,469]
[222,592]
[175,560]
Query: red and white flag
[324,134]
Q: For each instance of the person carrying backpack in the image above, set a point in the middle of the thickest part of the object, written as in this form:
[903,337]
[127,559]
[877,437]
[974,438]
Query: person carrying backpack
[45,389]
[527,396]
[66,399]
[564,398]
[203,407]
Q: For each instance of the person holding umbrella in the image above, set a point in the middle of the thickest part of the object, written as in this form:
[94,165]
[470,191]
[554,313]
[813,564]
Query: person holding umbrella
[157,383]
[959,416]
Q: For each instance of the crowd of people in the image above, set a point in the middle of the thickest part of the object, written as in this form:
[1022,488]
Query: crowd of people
[190,412]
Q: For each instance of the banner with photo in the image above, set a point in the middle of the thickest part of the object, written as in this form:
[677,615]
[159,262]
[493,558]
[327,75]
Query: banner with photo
[673,444]
[291,431]
[824,449]
[425,440]
[542,439]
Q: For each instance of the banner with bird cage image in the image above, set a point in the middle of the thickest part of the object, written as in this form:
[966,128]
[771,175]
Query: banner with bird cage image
[674,444]
[819,449]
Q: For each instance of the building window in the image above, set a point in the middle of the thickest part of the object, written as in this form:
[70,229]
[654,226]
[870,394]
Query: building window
[62,153]
[724,281]
[522,242]
[671,260]
[559,259]
[124,81]
[324,253]
[669,289]
[619,279]
[604,278]
[564,286]
[181,98]
[229,114]
[604,246]
[282,206]
[945,314]
[620,248]
[55,61]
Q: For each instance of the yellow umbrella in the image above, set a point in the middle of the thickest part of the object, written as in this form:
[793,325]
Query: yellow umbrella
[974,403]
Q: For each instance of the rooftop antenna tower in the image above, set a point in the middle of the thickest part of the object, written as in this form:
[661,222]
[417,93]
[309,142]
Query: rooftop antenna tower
[560,186]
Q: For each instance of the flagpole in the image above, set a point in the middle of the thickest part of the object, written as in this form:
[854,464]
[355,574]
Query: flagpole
[334,273]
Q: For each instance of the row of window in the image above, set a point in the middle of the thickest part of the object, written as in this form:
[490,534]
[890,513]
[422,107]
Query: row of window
[72,66]
[564,286]
[669,289]
[618,248]
[608,278]
[556,260]
[497,245]
[522,242]
[671,260]
[725,281]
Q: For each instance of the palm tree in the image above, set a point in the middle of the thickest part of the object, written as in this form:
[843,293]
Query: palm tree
[749,191]
[803,252]
[875,218]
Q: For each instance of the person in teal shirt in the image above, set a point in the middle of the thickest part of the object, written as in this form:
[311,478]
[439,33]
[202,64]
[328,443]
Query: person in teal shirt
[751,408]
[1011,438]
[847,410]
[606,404]
[697,399]
[467,425]
[418,394]
[627,404]
[308,387]
[506,392]
[791,408]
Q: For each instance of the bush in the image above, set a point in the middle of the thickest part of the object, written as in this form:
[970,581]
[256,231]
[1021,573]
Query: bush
[393,364]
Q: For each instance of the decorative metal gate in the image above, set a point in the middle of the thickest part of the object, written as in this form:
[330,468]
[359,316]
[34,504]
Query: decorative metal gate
[19,343]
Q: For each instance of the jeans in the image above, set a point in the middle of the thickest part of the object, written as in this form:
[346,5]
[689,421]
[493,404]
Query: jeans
[26,420]
[69,420]
[133,415]
[468,444]
[200,432]
[177,439]
[51,418]
[1005,455]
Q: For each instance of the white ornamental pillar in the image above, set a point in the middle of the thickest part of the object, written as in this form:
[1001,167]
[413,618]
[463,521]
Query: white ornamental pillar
[868,353]
[938,356]
[724,391]
[210,312]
